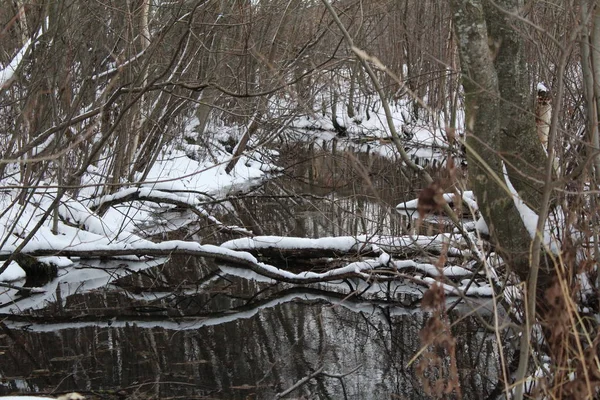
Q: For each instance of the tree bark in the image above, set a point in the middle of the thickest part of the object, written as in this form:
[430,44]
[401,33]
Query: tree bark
[501,131]
[595,56]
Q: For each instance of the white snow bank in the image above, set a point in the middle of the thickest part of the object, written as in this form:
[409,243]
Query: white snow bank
[179,178]
[12,273]
[178,172]
[175,177]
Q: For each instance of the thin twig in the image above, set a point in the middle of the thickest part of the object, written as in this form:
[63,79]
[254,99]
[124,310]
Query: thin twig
[299,383]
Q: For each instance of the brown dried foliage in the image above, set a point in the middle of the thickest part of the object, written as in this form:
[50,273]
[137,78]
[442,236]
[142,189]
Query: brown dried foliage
[437,368]
[575,365]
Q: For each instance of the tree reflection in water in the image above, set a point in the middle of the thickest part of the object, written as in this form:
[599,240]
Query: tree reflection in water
[223,336]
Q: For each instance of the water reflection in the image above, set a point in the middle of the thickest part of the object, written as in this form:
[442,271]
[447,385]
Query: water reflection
[257,340]
[324,193]
[192,329]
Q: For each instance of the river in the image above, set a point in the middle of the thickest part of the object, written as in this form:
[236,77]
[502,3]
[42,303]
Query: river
[190,329]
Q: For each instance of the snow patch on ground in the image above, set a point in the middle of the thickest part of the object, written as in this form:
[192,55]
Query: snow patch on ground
[175,176]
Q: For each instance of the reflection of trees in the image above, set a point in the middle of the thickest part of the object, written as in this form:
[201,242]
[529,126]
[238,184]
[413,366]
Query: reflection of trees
[262,345]
[322,194]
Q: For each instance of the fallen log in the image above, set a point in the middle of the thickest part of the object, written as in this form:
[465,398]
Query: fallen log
[287,249]
[219,254]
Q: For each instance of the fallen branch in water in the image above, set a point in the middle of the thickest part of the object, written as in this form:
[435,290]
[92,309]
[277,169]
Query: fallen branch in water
[219,254]
[278,247]
[382,268]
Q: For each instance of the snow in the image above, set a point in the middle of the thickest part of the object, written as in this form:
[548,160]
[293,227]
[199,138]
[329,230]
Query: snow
[341,243]
[179,172]
[7,73]
[174,177]
[530,218]
[481,226]
[467,196]
[360,268]
[13,273]
[348,244]
[116,68]
[425,138]
[181,176]
[473,290]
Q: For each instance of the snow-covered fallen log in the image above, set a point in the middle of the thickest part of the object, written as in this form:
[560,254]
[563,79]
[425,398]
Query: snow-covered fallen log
[380,268]
[241,259]
[363,245]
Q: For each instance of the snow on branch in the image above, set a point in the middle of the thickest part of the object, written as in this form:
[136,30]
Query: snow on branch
[380,268]
[349,245]
[7,73]
[468,199]
[116,69]
[530,218]
[220,254]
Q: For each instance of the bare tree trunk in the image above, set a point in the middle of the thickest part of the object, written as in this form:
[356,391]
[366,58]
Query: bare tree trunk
[489,96]
[23,31]
[139,110]
[543,115]
[350,106]
[595,54]
[210,95]
[241,146]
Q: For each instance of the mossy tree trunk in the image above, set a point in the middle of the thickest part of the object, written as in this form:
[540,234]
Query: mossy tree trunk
[500,125]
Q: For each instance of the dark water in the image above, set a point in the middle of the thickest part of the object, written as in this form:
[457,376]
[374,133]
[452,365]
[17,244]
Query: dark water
[189,329]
